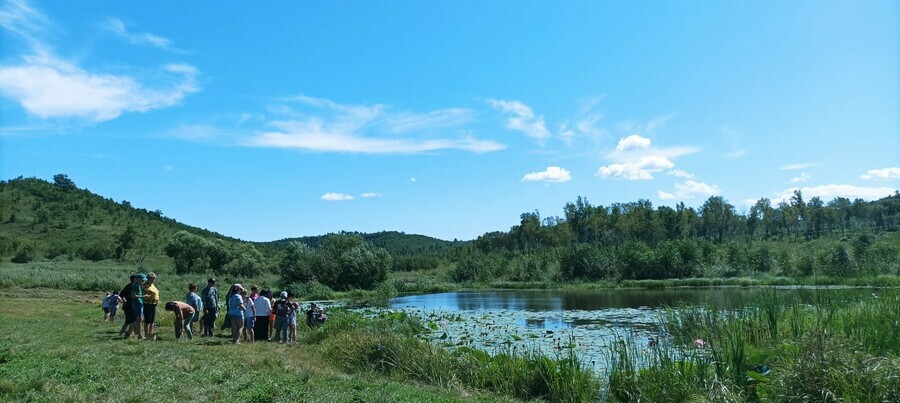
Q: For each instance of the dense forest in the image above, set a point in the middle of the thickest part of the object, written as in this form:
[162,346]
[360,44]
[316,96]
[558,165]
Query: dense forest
[41,220]
[795,238]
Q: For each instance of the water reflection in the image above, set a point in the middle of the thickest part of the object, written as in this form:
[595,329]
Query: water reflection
[567,300]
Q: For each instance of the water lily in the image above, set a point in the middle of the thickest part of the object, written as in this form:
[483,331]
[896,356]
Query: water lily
[700,343]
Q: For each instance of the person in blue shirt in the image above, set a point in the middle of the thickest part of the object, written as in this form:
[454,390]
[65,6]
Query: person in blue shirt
[235,311]
[195,302]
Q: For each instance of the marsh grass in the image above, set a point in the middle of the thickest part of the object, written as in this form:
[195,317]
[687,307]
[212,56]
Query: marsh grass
[840,345]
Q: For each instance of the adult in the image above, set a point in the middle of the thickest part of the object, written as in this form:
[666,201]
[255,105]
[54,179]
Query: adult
[184,313]
[150,302]
[235,305]
[282,309]
[210,297]
[137,305]
[263,308]
[125,294]
[195,302]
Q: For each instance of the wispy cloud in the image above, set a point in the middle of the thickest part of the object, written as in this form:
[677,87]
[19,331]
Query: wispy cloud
[799,166]
[522,119]
[645,128]
[551,174]
[829,192]
[802,178]
[47,86]
[332,196]
[370,195]
[689,189]
[636,159]
[117,27]
[737,154]
[680,174]
[884,173]
[335,127]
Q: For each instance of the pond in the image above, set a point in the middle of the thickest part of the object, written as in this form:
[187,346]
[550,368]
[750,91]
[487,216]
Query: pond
[558,321]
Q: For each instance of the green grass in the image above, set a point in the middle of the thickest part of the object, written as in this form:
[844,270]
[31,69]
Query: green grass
[54,347]
[830,346]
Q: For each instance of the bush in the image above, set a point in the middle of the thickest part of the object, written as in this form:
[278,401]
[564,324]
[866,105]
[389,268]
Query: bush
[415,263]
[312,290]
[586,262]
[343,262]
[25,254]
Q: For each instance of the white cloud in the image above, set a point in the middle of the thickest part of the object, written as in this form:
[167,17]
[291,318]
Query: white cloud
[633,142]
[442,118]
[799,166]
[680,174]
[635,159]
[413,180]
[737,154]
[689,189]
[649,127]
[641,169]
[331,196]
[551,174]
[117,27]
[828,192]
[522,119]
[346,128]
[49,87]
[802,178]
[370,195]
[884,173]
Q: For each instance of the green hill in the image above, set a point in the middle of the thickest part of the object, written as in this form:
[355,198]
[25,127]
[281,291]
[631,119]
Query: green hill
[396,243]
[41,220]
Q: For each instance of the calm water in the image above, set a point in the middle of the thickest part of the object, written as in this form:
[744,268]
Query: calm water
[586,321]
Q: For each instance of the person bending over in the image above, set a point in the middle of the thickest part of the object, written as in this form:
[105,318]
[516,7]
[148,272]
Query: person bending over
[184,314]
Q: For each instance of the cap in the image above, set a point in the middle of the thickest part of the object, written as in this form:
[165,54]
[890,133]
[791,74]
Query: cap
[142,277]
[212,280]
[284,294]
[151,275]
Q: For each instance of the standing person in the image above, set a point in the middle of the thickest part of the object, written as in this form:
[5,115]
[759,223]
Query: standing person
[271,296]
[263,309]
[195,302]
[105,306]
[249,317]
[292,319]
[150,302]
[184,313]
[210,297]
[125,294]
[113,302]
[137,305]
[235,310]
[282,309]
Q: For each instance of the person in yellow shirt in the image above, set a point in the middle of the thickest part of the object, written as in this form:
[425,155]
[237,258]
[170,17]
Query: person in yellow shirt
[151,299]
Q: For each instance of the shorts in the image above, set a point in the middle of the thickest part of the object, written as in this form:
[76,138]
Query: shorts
[138,310]
[105,310]
[250,321]
[234,317]
[150,313]
[112,312]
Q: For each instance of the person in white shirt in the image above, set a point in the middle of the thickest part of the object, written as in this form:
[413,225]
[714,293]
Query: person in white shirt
[249,317]
[263,309]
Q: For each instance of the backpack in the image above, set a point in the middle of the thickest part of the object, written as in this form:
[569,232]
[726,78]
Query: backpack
[282,308]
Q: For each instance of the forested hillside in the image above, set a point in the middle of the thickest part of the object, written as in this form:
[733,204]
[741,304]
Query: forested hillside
[396,243]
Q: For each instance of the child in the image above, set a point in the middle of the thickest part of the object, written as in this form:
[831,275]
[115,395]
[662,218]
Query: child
[112,301]
[106,306]
[249,317]
[292,319]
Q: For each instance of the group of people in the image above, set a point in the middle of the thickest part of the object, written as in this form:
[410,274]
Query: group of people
[250,314]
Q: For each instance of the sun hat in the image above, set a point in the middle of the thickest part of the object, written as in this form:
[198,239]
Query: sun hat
[151,275]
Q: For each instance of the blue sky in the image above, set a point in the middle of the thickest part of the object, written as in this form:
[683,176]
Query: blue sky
[265,121]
